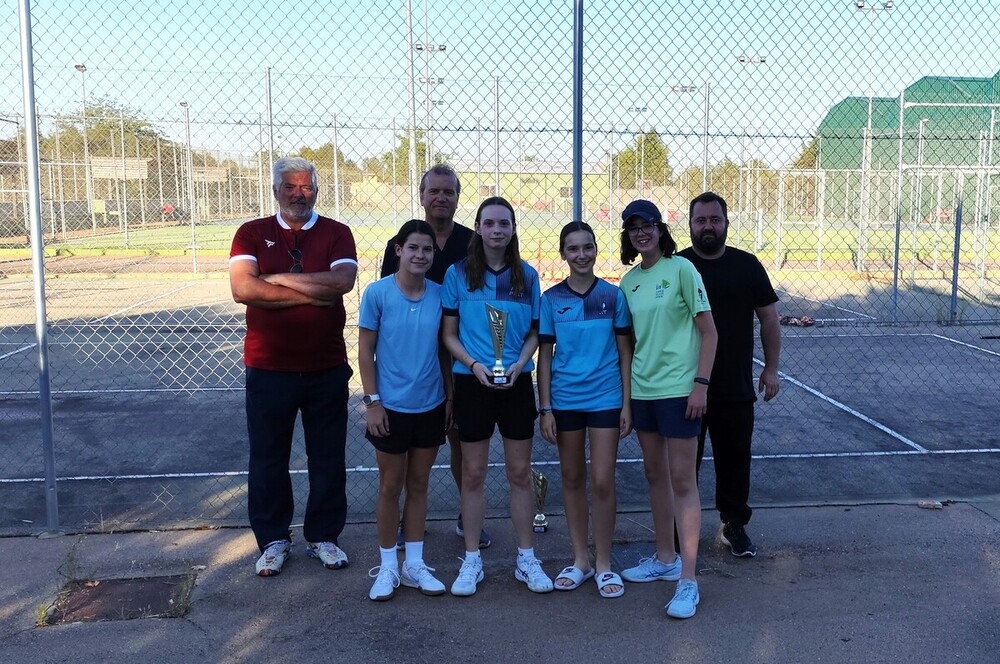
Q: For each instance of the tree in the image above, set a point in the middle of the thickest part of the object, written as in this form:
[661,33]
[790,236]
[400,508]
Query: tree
[809,156]
[322,157]
[646,158]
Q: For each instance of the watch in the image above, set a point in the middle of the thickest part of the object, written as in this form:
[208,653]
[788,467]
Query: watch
[370,400]
[544,409]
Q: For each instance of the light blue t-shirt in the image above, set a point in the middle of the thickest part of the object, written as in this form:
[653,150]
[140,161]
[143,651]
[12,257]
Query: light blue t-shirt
[470,308]
[407,364]
[585,372]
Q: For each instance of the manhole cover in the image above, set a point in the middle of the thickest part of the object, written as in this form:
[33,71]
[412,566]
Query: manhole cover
[122,599]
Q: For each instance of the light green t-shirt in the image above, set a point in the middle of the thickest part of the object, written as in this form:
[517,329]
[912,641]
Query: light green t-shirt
[664,301]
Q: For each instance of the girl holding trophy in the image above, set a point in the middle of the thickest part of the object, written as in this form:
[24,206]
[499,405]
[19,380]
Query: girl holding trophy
[407,384]
[584,388]
[491,307]
[675,341]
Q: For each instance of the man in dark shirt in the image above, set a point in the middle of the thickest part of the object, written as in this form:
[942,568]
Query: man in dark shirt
[738,288]
[439,191]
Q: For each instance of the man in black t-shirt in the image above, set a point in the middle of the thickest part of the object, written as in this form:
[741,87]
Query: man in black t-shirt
[738,288]
[439,190]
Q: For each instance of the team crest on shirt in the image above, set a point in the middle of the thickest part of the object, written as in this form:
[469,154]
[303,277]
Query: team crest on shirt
[701,295]
[661,288]
[269,243]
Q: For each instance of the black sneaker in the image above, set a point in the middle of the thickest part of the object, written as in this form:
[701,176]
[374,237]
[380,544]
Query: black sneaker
[735,537]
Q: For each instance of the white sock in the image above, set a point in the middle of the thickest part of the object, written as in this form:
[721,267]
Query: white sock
[414,552]
[472,555]
[525,554]
[389,558]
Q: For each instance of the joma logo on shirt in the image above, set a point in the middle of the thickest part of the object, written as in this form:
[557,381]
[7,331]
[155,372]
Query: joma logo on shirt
[563,310]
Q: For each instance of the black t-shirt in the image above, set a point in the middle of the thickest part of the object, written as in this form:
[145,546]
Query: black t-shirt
[456,247]
[737,285]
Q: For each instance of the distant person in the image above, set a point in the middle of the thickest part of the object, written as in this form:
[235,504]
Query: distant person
[738,289]
[292,270]
[406,375]
[439,192]
[584,365]
[675,344]
[493,288]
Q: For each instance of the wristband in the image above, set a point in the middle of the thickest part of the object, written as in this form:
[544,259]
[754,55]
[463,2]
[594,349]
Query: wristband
[544,409]
[474,363]
[700,380]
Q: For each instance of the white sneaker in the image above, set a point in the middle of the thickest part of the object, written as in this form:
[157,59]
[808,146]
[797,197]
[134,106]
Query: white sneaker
[331,555]
[470,574]
[685,600]
[271,561]
[386,582]
[419,576]
[529,570]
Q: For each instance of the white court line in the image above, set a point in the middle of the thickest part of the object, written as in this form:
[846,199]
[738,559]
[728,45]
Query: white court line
[139,304]
[962,343]
[19,350]
[374,469]
[847,409]
[835,306]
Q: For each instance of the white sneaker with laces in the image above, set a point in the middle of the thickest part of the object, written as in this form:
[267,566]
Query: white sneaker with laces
[273,557]
[469,575]
[331,555]
[386,582]
[685,600]
[529,570]
[419,576]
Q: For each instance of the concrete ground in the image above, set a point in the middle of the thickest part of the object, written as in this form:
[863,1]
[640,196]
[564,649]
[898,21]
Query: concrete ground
[871,583]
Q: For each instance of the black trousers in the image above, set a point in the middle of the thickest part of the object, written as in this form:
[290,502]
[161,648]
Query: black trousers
[729,425]
[273,400]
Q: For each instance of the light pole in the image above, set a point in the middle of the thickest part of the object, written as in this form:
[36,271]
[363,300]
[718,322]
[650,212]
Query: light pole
[866,157]
[754,61]
[641,111]
[190,166]
[88,181]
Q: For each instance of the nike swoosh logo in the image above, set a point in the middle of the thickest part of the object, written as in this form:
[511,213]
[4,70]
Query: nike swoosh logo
[563,310]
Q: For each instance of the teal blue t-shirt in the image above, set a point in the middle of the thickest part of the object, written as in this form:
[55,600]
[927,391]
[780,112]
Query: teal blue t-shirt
[585,372]
[470,309]
[407,364]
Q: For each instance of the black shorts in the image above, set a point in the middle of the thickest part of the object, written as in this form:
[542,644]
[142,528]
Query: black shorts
[575,420]
[479,410]
[664,416]
[411,431]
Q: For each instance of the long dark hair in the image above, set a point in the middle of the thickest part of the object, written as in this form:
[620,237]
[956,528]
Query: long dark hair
[418,226]
[629,252]
[475,264]
[573,227]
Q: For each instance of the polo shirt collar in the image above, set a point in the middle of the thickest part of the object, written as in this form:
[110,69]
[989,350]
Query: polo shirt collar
[309,224]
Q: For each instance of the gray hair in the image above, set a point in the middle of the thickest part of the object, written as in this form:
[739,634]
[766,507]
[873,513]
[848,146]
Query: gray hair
[293,165]
[441,169]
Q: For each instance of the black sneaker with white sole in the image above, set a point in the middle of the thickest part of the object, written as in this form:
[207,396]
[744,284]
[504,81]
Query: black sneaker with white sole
[735,537]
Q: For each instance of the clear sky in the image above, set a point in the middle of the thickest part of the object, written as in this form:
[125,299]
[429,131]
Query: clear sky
[348,57]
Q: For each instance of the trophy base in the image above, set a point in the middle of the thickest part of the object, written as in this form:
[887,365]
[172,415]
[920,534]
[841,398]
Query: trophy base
[501,380]
[541,524]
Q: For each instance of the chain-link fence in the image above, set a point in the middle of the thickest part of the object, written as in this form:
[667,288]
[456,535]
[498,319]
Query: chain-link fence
[854,142]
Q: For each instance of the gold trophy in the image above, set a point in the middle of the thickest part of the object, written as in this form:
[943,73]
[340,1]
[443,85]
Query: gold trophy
[498,332]
[540,484]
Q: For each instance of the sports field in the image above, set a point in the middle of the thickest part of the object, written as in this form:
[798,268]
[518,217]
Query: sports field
[146,373]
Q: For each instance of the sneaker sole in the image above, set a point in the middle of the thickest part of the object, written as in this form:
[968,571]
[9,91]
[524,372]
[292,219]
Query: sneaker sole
[681,616]
[524,579]
[409,583]
[382,598]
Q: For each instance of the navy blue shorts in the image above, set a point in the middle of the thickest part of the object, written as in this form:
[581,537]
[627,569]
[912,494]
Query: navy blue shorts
[575,420]
[665,416]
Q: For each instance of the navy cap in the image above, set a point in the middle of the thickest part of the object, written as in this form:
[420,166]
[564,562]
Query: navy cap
[645,210]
